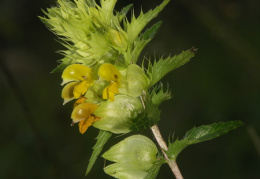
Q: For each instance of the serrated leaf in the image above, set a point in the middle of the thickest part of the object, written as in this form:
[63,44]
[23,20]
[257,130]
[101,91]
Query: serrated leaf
[124,11]
[150,33]
[144,39]
[176,147]
[134,28]
[200,134]
[102,138]
[160,68]
[158,95]
[207,132]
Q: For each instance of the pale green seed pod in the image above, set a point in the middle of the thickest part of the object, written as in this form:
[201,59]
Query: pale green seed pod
[134,157]
[116,116]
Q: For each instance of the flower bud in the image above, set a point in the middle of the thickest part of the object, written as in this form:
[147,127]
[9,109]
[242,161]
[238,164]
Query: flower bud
[117,39]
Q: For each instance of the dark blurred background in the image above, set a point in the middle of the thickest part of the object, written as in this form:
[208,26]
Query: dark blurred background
[221,83]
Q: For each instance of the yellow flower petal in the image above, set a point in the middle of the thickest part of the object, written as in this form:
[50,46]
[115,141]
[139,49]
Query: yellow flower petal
[80,89]
[67,92]
[83,111]
[105,94]
[109,72]
[79,101]
[110,91]
[76,72]
[84,124]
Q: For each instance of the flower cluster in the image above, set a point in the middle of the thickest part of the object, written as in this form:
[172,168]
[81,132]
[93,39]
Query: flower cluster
[79,80]
[99,72]
[90,90]
[99,68]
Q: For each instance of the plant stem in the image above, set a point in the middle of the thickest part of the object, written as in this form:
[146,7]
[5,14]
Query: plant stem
[172,163]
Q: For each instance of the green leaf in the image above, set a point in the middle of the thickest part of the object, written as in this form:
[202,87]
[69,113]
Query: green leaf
[176,147]
[102,138]
[160,68]
[150,33]
[200,134]
[134,157]
[207,132]
[124,11]
[158,95]
[134,28]
[144,39]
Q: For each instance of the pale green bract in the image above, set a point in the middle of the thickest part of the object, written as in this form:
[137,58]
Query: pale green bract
[134,158]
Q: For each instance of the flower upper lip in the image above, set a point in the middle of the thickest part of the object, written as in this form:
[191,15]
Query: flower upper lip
[78,78]
[111,74]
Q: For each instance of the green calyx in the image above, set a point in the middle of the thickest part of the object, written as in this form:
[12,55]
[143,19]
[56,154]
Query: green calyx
[134,157]
[116,115]
[136,81]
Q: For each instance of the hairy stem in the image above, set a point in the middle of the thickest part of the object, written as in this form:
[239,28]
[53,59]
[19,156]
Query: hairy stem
[172,163]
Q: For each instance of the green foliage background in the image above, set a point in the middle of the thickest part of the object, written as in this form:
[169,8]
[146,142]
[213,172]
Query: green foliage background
[221,83]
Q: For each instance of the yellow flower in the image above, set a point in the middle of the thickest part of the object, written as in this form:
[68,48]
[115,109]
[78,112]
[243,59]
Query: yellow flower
[83,113]
[79,101]
[111,74]
[110,91]
[78,78]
